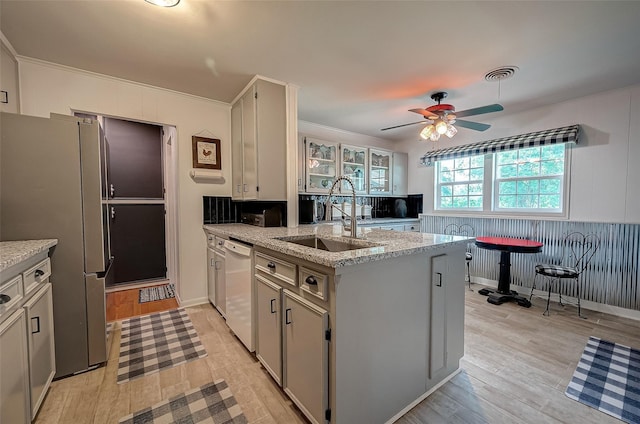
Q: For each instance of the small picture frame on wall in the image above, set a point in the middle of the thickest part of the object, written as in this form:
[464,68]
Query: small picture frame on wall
[206,152]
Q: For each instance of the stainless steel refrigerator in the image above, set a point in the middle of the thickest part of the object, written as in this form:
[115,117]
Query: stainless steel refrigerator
[53,184]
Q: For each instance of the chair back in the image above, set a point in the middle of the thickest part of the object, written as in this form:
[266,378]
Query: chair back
[579,249]
[465,230]
[459,230]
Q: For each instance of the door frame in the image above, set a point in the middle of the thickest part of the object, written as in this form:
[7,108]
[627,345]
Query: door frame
[169,175]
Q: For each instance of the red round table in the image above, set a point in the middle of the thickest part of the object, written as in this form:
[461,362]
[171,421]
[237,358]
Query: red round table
[506,245]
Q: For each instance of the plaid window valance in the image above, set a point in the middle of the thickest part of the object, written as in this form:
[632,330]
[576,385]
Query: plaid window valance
[567,134]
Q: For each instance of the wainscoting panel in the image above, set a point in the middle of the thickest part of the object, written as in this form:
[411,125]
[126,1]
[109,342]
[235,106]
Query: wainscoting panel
[613,274]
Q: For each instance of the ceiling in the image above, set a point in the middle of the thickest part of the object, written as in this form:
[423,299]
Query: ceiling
[360,65]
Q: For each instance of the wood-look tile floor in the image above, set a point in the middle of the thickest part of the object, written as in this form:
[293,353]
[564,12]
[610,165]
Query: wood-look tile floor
[124,304]
[516,367]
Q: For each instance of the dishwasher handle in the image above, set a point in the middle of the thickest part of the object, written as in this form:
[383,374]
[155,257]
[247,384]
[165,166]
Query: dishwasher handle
[237,248]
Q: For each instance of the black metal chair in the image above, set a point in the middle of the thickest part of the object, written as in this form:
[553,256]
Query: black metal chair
[577,251]
[467,231]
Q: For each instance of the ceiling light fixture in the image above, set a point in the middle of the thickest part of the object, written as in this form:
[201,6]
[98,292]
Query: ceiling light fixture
[163,3]
[434,131]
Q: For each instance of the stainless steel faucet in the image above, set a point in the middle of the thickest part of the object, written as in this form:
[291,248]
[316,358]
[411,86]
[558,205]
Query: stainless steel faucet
[328,205]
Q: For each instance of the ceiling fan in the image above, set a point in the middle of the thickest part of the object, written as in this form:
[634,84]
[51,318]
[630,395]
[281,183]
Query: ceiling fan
[441,118]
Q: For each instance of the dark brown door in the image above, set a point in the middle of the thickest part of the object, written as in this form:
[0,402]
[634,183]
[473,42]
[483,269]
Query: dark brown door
[137,208]
[135,159]
[138,242]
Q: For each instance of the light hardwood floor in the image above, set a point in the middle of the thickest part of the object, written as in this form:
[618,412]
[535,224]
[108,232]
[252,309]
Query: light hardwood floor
[124,304]
[516,367]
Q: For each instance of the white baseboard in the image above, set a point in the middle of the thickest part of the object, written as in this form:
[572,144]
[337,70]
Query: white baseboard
[586,304]
[194,302]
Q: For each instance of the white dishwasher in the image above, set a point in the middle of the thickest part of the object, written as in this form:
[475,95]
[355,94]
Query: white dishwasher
[239,308]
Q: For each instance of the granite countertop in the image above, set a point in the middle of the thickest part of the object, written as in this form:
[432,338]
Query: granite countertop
[14,252]
[386,244]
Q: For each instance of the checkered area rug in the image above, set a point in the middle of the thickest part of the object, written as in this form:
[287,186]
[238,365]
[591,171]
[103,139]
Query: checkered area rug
[607,378]
[211,403]
[150,294]
[152,342]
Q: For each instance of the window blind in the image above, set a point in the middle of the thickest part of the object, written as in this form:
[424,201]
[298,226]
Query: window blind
[568,134]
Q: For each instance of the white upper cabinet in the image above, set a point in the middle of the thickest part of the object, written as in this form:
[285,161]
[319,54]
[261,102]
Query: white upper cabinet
[258,139]
[400,172]
[380,167]
[321,165]
[354,162]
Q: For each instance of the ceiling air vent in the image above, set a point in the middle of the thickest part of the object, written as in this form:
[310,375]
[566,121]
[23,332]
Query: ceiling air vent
[501,73]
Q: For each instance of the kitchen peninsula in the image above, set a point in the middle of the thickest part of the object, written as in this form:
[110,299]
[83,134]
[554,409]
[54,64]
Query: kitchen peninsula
[361,334]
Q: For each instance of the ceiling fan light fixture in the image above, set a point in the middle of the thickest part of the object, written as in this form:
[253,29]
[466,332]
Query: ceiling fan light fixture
[451,131]
[163,3]
[435,136]
[427,131]
[441,127]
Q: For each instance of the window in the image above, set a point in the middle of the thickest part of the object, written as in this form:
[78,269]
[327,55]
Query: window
[528,180]
[460,183]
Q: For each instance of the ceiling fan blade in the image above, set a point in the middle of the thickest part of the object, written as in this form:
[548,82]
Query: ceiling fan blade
[479,110]
[424,112]
[404,125]
[472,125]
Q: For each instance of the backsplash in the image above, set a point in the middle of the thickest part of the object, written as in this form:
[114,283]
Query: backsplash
[224,210]
[382,207]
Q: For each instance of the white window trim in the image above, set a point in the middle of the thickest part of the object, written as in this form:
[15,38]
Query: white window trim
[489,196]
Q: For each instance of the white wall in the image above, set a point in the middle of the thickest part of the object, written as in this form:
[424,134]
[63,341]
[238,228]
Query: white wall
[47,88]
[604,164]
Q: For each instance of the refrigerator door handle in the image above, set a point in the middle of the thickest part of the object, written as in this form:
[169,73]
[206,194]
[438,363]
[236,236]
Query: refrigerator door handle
[113,212]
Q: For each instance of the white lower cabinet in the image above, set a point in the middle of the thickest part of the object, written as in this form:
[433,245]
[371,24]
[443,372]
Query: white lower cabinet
[216,283]
[269,328]
[14,366]
[211,276]
[292,333]
[39,314]
[305,356]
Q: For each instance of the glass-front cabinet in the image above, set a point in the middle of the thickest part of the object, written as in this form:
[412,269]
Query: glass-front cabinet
[354,165]
[321,165]
[379,171]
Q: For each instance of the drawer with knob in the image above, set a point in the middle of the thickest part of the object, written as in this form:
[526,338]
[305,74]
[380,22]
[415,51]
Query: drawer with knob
[282,270]
[11,293]
[36,275]
[313,282]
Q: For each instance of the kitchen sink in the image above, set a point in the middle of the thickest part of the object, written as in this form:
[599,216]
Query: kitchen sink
[329,244]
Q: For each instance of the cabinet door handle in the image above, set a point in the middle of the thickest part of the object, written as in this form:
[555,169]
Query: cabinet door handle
[287,316]
[311,280]
[216,265]
[244,188]
[439,283]
[4,298]
[238,188]
[37,325]
[271,265]
[113,212]
[221,242]
[273,310]
[213,263]
[39,273]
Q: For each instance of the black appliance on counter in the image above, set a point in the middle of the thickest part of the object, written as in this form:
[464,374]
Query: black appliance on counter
[310,211]
[271,217]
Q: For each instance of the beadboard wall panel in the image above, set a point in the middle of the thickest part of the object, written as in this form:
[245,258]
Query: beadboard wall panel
[613,274]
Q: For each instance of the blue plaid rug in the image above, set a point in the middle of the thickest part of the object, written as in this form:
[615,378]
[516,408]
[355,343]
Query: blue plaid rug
[607,378]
